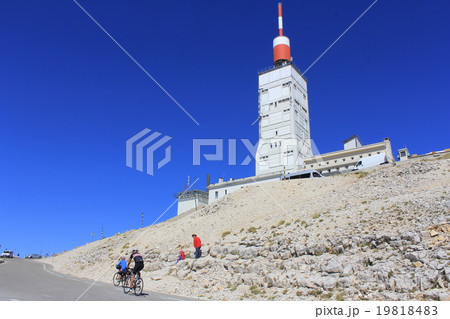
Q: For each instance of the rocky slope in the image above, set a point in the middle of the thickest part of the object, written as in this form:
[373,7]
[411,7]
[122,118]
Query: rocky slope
[382,234]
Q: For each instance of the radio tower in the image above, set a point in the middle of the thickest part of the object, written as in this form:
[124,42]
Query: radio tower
[284,130]
[281,44]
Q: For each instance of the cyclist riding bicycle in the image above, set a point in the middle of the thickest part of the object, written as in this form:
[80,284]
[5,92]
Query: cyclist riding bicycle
[122,266]
[138,264]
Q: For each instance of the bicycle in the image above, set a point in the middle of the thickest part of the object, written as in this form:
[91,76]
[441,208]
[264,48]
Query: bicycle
[119,278]
[138,284]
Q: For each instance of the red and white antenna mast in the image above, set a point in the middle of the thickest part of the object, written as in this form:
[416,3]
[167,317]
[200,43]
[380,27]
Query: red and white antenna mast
[280,20]
[281,44]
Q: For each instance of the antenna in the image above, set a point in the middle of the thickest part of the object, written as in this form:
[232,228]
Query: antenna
[280,20]
[188,183]
[281,44]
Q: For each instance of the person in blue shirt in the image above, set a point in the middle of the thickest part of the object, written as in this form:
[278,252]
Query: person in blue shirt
[122,266]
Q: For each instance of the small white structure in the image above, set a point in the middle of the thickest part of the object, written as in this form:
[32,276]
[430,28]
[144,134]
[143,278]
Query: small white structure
[352,142]
[191,200]
[403,154]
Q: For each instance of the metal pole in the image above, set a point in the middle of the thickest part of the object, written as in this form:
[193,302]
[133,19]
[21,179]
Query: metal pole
[142,220]
[195,200]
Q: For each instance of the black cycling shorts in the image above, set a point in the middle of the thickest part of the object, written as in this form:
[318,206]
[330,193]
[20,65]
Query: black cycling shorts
[138,267]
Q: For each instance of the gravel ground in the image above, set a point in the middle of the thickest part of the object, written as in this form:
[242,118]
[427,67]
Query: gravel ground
[381,234]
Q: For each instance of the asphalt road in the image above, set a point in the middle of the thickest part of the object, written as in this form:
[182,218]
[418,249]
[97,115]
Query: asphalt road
[29,280]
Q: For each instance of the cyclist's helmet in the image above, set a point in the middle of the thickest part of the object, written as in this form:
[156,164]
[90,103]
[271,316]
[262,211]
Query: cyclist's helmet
[135,250]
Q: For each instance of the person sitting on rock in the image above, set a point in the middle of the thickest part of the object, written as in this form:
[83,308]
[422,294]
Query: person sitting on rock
[181,256]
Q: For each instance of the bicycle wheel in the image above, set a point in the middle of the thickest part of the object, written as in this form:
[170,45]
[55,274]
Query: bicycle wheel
[138,286]
[126,284]
[117,278]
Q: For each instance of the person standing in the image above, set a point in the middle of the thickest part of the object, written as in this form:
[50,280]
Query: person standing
[198,246]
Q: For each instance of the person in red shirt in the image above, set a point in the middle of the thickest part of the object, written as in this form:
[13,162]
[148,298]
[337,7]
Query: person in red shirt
[181,256]
[198,246]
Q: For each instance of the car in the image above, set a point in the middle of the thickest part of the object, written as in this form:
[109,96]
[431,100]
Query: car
[7,254]
[303,174]
[370,161]
[33,256]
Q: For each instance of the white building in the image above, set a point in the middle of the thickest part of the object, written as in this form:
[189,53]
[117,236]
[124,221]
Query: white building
[352,142]
[403,154]
[345,160]
[221,189]
[191,200]
[284,134]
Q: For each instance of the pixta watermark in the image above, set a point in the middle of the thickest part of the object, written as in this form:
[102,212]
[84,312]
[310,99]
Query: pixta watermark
[141,151]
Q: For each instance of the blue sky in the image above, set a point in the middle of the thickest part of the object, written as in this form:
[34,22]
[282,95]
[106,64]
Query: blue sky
[70,98]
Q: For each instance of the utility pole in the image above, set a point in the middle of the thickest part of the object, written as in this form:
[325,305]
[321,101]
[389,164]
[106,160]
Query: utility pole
[103,237]
[195,200]
[142,220]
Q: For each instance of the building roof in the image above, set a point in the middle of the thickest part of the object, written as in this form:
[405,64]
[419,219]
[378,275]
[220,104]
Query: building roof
[191,193]
[245,180]
[352,138]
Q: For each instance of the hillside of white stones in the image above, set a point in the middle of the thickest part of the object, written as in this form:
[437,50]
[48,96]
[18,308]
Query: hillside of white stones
[381,234]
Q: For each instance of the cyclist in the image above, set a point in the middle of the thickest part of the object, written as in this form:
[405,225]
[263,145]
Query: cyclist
[122,266]
[138,264]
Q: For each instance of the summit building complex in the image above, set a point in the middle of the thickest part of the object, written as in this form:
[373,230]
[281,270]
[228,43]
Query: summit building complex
[285,144]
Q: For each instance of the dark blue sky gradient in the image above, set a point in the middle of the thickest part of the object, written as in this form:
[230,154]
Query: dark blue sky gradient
[70,98]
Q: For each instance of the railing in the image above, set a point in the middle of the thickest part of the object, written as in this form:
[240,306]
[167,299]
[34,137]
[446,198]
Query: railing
[277,67]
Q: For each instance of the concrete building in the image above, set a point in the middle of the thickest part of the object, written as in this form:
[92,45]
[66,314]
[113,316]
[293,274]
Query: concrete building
[403,154]
[345,160]
[221,189]
[352,142]
[193,199]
